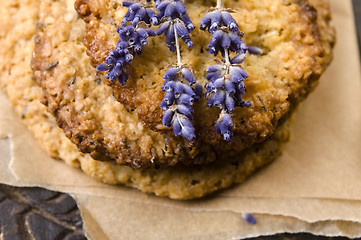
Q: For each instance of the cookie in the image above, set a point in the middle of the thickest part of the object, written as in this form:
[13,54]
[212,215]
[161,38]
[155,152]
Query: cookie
[58,18]
[297,48]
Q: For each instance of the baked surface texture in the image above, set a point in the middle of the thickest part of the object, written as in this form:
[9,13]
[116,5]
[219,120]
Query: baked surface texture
[57,21]
[297,48]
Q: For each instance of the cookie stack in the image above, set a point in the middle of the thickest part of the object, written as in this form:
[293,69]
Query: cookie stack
[113,130]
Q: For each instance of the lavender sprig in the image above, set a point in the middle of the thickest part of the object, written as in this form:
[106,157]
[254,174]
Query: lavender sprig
[178,100]
[180,96]
[119,59]
[175,22]
[226,79]
[131,40]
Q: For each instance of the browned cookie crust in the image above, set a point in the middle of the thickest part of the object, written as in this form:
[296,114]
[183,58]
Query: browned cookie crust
[297,46]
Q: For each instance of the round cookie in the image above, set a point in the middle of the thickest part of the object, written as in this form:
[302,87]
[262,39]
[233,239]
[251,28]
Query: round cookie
[297,48]
[16,78]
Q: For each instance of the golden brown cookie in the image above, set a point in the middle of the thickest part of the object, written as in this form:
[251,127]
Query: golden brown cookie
[16,79]
[297,48]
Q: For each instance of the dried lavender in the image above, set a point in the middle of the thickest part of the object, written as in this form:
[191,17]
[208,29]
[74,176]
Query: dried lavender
[249,218]
[226,79]
[176,22]
[131,40]
[133,34]
[180,96]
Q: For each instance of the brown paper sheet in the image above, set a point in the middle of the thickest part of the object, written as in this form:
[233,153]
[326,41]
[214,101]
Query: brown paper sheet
[314,187]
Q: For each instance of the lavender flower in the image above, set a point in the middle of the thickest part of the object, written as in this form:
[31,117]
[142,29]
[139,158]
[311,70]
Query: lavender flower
[178,100]
[216,18]
[226,80]
[180,96]
[249,218]
[173,9]
[130,43]
[175,21]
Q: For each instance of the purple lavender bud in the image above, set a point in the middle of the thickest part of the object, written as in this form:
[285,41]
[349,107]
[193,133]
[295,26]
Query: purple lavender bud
[229,103]
[129,57]
[169,35]
[185,99]
[127,3]
[162,6]
[180,8]
[241,86]
[185,110]
[255,50]
[187,129]
[210,88]
[110,61]
[230,87]
[226,41]
[141,15]
[224,126]
[169,11]
[219,98]
[102,67]
[218,83]
[206,21]
[135,7]
[132,38]
[167,118]
[198,90]
[171,73]
[187,21]
[229,21]
[141,32]
[249,218]
[238,72]
[238,59]
[188,75]
[122,78]
[181,29]
[143,41]
[172,47]
[168,86]
[188,90]
[138,48]
[214,75]
[210,101]
[164,27]
[168,98]
[152,16]
[178,89]
[216,37]
[164,105]
[214,44]
[215,68]
[215,21]
[188,41]
[236,42]
[188,132]
[151,32]
[177,128]
[183,126]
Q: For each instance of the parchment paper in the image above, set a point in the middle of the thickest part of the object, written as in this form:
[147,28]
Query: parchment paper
[314,187]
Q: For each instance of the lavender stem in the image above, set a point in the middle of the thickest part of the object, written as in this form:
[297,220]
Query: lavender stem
[219,3]
[179,62]
[226,56]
